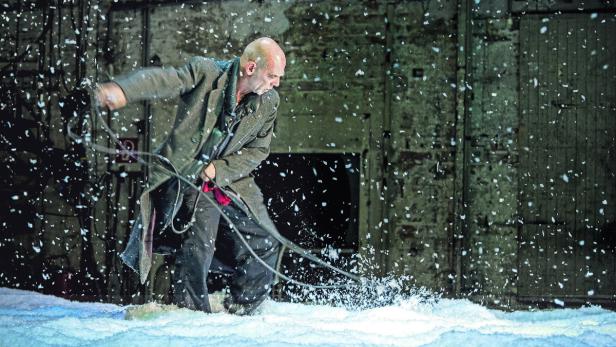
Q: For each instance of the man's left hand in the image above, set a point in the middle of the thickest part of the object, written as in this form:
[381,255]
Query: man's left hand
[208,173]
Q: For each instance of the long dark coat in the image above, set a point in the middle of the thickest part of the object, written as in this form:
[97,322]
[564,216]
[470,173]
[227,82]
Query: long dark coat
[201,85]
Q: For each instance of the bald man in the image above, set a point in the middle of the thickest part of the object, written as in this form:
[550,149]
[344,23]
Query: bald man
[222,132]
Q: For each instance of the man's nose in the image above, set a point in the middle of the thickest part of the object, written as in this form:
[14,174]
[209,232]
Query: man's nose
[276,82]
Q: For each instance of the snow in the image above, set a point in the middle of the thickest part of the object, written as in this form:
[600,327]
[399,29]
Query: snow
[33,319]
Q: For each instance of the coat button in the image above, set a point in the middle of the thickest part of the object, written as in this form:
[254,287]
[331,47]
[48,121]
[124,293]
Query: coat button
[194,140]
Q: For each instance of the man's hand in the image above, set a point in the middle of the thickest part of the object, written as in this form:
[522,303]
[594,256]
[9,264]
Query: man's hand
[208,173]
[111,96]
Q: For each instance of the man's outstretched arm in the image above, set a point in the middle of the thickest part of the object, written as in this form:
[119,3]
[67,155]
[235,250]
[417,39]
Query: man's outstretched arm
[153,83]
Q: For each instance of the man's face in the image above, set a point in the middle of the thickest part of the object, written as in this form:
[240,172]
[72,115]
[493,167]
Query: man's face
[266,78]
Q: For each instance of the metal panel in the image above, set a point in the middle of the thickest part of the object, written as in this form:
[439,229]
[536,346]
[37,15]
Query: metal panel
[568,136]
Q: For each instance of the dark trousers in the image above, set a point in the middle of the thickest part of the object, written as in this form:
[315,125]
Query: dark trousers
[250,281]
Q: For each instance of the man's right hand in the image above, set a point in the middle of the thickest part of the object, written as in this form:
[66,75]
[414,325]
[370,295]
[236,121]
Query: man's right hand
[111,96]
[208,173]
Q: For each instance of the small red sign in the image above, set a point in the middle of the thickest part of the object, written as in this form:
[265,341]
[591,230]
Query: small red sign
[124,155]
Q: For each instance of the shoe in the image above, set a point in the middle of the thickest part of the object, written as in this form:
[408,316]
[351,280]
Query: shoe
[240,309]
[217,302]
[148,311]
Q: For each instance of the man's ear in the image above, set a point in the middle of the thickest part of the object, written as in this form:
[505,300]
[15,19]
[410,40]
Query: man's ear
[251,67]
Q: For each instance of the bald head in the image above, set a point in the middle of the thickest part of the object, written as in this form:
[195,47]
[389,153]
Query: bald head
[265,52]
[261,67]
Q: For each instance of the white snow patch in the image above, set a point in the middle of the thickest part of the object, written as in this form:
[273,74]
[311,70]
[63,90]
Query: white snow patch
[32,319]
[565,178]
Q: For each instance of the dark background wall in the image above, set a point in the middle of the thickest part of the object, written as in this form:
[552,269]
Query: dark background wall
[478,139]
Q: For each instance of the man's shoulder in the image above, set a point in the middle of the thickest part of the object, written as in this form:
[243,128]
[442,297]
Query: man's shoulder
[206,63]
[271,97]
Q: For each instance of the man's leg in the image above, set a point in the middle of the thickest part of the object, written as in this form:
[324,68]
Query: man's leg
[195,254]
[251,282]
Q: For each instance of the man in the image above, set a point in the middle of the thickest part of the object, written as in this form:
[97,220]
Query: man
[221,133]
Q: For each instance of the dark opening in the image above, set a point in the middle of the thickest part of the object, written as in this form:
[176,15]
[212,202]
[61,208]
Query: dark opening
[314,201]
[313,198]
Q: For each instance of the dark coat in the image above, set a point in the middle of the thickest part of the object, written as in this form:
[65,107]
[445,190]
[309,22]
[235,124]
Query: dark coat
[201,85]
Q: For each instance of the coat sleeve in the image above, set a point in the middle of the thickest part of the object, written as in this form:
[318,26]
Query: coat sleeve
[241,163]
[162,83]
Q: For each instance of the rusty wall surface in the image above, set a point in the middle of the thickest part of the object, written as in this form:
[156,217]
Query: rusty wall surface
[493,190]
[42,236]
[419,173]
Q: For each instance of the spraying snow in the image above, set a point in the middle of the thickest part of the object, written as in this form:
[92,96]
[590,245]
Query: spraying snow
[33,319]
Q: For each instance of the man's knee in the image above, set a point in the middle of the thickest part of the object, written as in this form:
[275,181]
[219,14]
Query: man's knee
[267,249]
[272,244]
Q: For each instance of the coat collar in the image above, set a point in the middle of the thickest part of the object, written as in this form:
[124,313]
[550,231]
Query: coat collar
[229,83]
[214,104]
[224,92]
